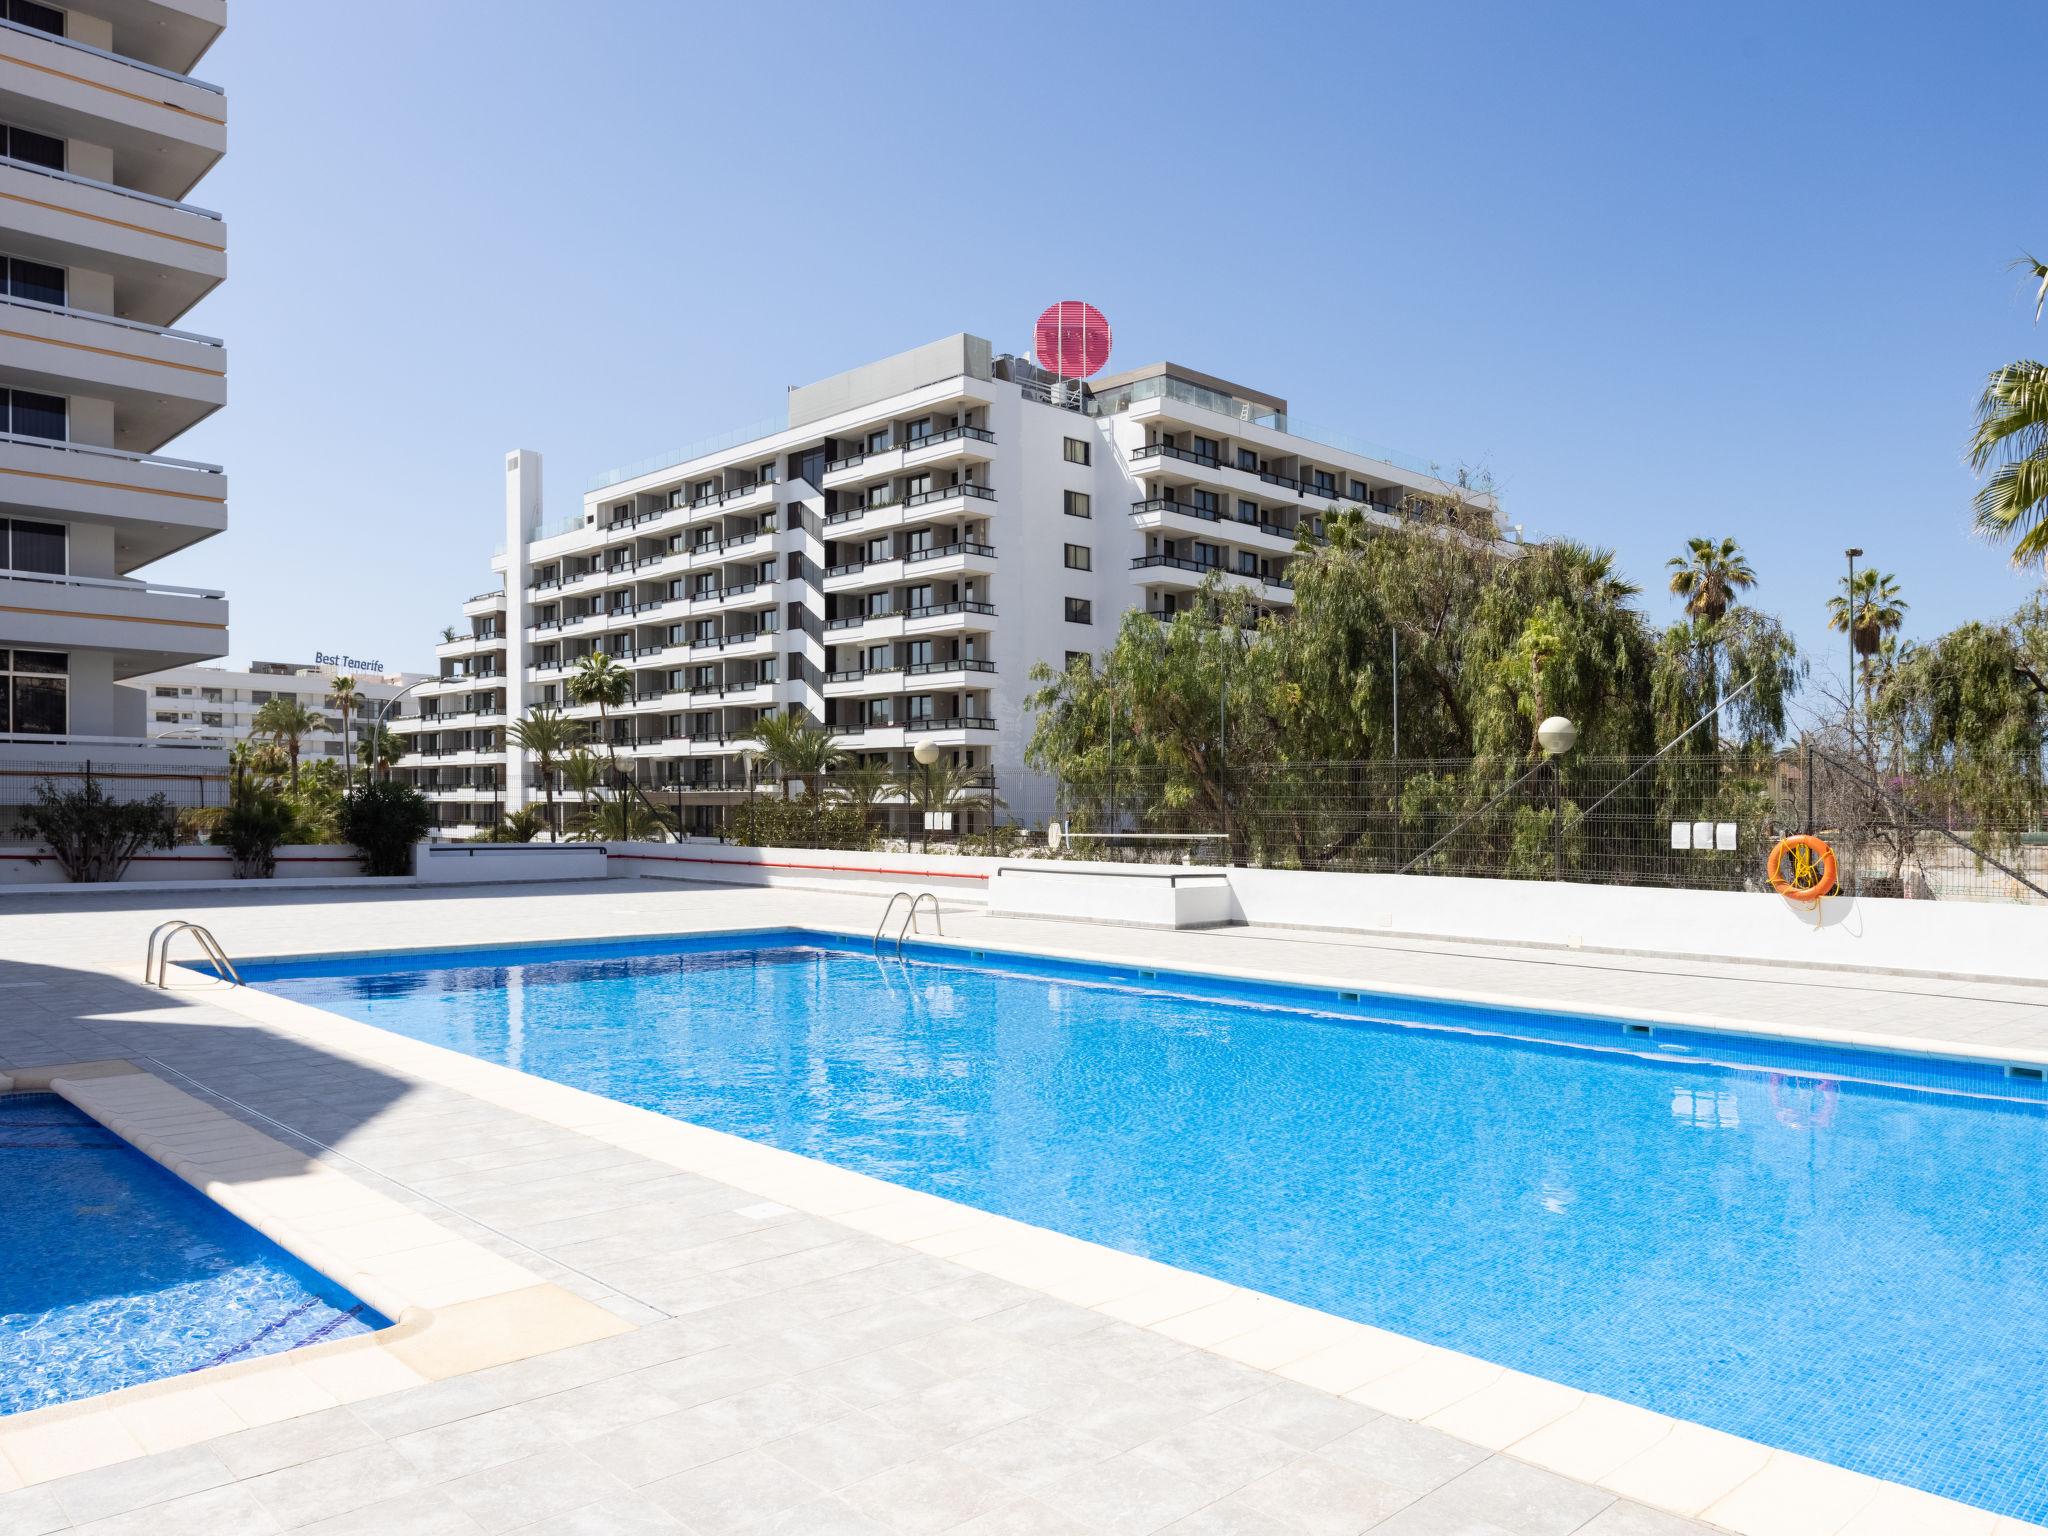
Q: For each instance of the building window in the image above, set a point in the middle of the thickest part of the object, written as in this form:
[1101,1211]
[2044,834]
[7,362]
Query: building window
[1248,460]
[35,148]
[43,18]
[1077,451]
[32,692]
[1078,558]
[209,717]
[33,415]
[165,693]
[34,281]
[35,547]
[1080,611]
[1086,660]
[167,717]
[1078,504]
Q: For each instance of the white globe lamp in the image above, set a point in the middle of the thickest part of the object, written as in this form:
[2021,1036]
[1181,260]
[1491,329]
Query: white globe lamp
[1556,735]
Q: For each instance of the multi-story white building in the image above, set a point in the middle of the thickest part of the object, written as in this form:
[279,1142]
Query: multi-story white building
[893,562]
[102,134]
[217,706]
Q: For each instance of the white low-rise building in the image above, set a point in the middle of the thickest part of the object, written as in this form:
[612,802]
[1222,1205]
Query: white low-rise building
[893,562]
[217,706]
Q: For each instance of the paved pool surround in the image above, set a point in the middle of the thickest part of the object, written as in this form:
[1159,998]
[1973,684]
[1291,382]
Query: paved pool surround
[846,1354]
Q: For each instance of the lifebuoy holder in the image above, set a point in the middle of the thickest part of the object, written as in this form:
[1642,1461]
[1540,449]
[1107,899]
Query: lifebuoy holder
[1814,868]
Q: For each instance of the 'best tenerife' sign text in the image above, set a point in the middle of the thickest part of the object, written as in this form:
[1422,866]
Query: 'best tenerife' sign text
[351,663]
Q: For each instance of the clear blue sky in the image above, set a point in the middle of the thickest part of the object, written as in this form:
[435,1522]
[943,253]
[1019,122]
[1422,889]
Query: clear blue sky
[1667,271]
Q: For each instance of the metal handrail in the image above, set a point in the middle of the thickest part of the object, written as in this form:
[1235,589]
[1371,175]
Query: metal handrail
[884,923]
[910,922]
[160,958]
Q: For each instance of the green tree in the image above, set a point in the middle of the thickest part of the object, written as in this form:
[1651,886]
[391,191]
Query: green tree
[625,818]
[343,691]
[941,786]
[285,721]
[1868,609]
[2011,440]
[93,836]
[378,750]
[863,787]
[599,679]
[795,747]
[520,826]
[550,737]
[1708,576]
[384,821]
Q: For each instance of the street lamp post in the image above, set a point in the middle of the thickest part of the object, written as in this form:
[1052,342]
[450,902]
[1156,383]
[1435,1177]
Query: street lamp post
[1556,736]
[1849,624]
[926,754]
[748,751]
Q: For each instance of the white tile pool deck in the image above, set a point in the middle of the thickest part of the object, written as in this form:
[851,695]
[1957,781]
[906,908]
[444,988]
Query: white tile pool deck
[867,1374]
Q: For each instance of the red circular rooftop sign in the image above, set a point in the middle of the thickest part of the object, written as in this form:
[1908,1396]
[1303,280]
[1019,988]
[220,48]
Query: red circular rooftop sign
[1072,339]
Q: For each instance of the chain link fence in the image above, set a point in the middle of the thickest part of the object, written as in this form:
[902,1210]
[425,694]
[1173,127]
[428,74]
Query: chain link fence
[1699,822]
[187,790]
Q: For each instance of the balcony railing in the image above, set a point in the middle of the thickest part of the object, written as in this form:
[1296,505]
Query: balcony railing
[108,186]
[924,498]
[115,320]
[957,722]
[1167,504]
[1168,451]
[920,669]
[961,547]
[930,609]
[951,434]
[1172,563]
[117,58]
[112,584]
[57,445]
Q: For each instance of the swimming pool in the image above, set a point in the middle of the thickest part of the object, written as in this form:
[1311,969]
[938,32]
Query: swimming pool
[114,1271]
[1835,1252]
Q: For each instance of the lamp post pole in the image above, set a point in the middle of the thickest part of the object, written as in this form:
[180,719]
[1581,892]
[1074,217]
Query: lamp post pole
[1556,736]
[1849,624]
[926,754]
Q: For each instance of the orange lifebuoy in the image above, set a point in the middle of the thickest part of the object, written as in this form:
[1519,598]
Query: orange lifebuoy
[1813,868]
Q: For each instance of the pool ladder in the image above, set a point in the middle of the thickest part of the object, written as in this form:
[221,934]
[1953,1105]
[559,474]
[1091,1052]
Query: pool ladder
[910,922]
[158,959]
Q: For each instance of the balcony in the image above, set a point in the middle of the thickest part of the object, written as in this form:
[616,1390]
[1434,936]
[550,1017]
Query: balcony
[162,382]
[1159,506]
[152,625]
[928,498]
[164,256]
[932,668]
[159,505]
[166,130]
[934,610]
[941,551]
[1152,452]
[956,723]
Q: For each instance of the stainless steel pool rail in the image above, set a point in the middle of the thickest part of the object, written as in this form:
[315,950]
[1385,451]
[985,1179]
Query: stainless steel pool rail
[157,958]
[909,922]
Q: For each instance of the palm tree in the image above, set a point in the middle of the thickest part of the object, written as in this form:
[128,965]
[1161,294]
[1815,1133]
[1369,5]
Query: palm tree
[939,786]
[628,819]
[864,788]
[600,680]
[1709,575]
[2012,432]
[378,750]
[549,737]
[582,772]
[284,721]
[1870,610]
[343,692]
[520,826]
[797,748]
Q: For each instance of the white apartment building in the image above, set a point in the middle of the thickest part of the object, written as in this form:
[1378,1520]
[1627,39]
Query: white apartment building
[217,706]
[893,562]
[102,136]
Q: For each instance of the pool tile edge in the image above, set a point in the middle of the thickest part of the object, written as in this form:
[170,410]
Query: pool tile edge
[472,1310]
[1758,1491]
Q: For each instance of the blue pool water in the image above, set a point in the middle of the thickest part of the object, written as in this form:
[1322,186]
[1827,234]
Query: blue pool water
[113,1271]
[1837,1253]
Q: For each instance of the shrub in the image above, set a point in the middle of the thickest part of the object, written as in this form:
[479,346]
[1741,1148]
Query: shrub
[804,823]
[256,822]
[384,820]
[93,836]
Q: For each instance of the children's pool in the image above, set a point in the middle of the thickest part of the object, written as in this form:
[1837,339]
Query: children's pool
[1838,1253]
[113,1271]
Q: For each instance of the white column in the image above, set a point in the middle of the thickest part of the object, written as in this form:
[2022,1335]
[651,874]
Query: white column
[522,522]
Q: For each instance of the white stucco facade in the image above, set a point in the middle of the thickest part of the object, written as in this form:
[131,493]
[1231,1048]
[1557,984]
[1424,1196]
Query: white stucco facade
[894,563]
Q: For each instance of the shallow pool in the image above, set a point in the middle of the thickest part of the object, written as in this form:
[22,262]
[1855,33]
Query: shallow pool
[1836,1253]
[114,1271]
